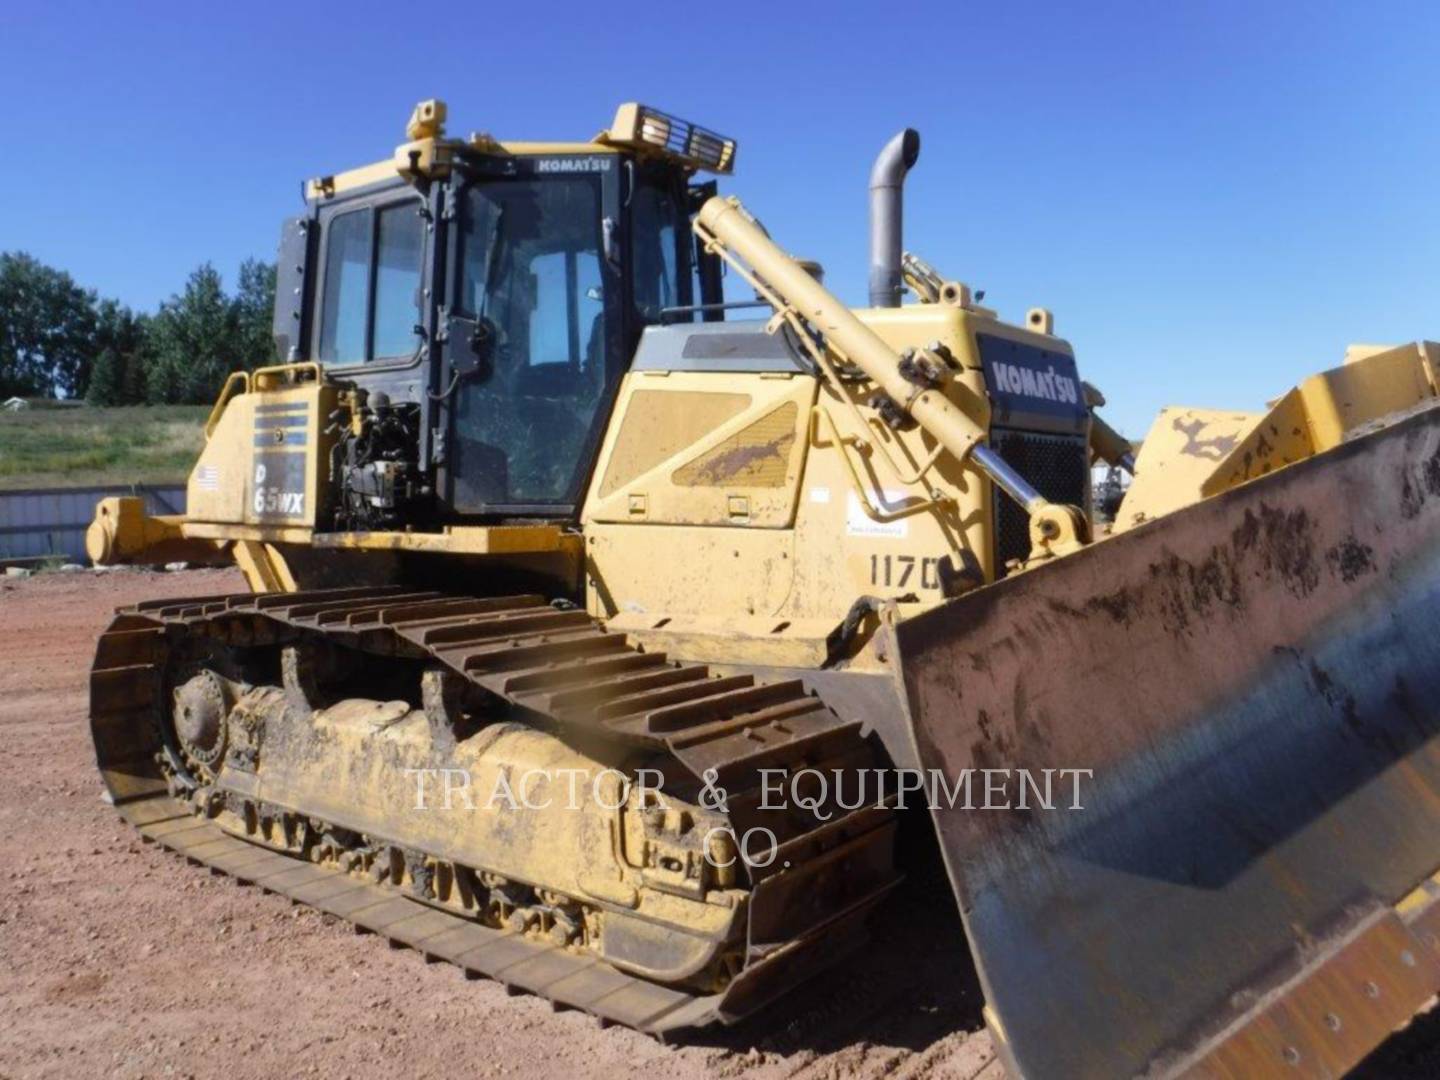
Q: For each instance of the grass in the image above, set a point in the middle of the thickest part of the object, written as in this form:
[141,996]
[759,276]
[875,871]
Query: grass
[88,447]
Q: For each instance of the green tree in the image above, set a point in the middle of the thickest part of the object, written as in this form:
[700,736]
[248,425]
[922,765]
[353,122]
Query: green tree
[119,351]
[107,379]
[57,338]
[132,384]
[47,326]
[193,343]
[254,305]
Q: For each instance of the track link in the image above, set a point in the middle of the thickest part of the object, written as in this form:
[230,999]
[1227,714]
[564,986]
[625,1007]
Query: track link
[561,669]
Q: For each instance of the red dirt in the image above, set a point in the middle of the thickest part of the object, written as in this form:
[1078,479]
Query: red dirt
[118,958]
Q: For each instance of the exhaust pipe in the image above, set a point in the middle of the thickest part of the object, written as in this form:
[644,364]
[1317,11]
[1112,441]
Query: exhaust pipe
[887,177]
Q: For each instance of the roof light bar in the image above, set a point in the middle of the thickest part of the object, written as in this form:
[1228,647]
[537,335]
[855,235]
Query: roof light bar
[641,126]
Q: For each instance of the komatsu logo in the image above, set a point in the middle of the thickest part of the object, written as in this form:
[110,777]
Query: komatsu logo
[569,165]
[1048,385]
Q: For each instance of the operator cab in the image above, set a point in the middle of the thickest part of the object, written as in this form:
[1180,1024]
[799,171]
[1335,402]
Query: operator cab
[487,298]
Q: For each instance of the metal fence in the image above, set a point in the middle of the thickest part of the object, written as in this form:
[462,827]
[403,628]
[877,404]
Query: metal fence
[40,522]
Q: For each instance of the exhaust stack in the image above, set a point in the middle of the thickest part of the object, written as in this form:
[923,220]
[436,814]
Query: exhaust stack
[887,178]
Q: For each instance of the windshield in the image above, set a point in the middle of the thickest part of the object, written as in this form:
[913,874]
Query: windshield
[531,276]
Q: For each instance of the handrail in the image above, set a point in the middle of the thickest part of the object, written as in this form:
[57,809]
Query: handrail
[285,372]
[875,513]
[250,381]
[226,393]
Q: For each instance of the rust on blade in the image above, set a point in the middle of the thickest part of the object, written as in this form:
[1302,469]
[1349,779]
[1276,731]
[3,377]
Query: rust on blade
[1362,987]
[1245,690]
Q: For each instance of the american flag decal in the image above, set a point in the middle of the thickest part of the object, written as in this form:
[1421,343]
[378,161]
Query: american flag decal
[207,478]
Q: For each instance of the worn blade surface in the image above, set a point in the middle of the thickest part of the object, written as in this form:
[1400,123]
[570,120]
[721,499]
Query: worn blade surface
[1255,683]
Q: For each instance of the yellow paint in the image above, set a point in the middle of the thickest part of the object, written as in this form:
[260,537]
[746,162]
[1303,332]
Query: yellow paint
[267,534]
[634,122]
[866,511]
[265,452]
[1181,451]
[1190,454]
[546,149]
[659,423]
[435,154]
[461,540]
[427,121]
[342,183]
[1339,400]
[428,154]
[123,532]
[727,436]
[264,567]
[1421,899]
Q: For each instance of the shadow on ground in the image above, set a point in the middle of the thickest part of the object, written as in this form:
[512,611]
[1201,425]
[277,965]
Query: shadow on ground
[912,984]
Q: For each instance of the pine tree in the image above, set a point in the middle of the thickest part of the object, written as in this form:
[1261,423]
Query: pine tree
[107,379]
[132,384]
[254,307]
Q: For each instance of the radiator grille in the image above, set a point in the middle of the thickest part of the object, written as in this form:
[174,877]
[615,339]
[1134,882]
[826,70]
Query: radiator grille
[1057,466]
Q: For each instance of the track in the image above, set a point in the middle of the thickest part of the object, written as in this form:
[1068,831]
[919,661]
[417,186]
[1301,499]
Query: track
[558,669]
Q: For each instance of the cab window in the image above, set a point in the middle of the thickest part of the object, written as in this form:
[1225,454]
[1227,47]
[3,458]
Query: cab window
[371,303]
[659,226]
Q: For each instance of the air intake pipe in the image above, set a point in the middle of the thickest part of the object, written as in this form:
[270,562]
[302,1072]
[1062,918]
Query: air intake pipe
[887,180]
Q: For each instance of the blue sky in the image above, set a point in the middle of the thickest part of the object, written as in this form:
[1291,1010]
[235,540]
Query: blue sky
[1213,198]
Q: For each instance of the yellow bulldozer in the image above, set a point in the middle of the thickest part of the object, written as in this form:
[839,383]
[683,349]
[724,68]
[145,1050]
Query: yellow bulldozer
[601,638]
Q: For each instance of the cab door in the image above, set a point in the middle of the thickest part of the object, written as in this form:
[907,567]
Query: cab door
[533,330]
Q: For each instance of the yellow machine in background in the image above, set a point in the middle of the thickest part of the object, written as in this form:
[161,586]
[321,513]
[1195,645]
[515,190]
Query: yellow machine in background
[527,504]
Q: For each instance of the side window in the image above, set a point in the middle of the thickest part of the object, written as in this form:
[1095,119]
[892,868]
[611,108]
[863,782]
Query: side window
[656,224]
[371,304]
[347,288]
[397,281]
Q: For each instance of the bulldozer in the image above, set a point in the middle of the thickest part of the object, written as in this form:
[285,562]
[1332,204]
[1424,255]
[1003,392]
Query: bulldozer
[603,633]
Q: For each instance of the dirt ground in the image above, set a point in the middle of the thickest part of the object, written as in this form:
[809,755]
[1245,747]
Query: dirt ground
[117,958]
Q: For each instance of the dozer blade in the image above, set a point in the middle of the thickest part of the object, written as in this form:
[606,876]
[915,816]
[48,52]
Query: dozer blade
[1255,683]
